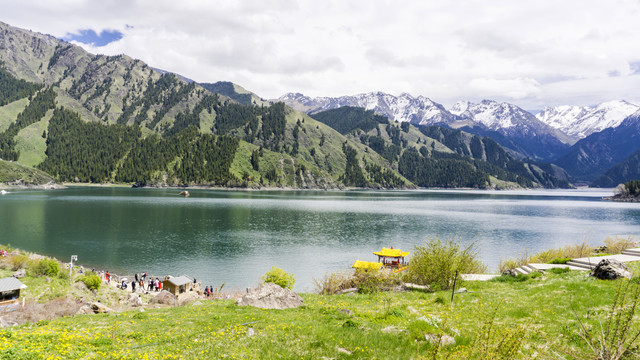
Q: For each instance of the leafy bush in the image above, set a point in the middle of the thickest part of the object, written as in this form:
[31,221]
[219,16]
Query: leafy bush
[91,280]
[45,267]
[435,264]
[279,277]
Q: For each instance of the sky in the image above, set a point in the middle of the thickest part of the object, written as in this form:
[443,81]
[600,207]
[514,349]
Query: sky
[529,53]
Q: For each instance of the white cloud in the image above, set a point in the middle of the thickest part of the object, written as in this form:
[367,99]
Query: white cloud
[531,53]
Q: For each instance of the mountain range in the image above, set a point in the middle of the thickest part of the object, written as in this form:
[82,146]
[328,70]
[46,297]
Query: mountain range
[96,118]
[555,134]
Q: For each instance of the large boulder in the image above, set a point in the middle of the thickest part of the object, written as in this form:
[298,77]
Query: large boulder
[271,296]
[100,308]
[134,300]
[163,297]
[610,269]
[20,274]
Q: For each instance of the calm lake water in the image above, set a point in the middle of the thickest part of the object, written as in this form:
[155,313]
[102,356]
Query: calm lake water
[233,237]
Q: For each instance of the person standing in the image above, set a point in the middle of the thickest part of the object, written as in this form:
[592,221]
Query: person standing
[133,286]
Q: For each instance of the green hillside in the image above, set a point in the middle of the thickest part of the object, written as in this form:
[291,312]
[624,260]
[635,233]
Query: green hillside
[17,174]
[439,157]
[95,118]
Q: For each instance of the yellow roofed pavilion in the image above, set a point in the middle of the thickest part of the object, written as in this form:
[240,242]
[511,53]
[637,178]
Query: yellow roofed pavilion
[367,265]
[391,253]
[393,258]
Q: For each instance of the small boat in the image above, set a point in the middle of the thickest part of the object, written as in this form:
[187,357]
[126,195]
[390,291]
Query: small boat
[3,192]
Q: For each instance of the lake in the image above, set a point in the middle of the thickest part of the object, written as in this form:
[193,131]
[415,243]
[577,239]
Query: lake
[233,237]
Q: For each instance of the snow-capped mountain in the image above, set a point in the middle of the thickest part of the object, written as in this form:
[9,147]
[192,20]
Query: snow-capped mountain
[534,138]
[580,122]
[417,110]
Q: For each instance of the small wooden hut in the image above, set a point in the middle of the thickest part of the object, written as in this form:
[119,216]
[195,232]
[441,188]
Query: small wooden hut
[10,290]
[393,258]
[177,284]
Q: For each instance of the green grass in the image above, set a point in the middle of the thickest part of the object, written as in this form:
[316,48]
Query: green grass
[31,144]
[9,112]
[382,325]
[10,172]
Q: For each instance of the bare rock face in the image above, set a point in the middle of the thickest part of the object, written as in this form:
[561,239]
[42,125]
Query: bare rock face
[610,269]
[20,274]
[271,296]
[163,297]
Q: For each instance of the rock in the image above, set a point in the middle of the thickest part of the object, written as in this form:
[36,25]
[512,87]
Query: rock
[163,297]
[444,340]
[20,274]
[100,308]
[344,351]
[610,269]
[271,296]
[250,332]
[461,290]
[510,272]
[134,300]
[197,303]
[390,329]
[85,310]
[347,291]
[346,311]
[186,298]
[4,323]
[410,286]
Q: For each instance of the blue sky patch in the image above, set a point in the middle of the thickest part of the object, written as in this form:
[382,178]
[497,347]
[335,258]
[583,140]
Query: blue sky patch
[88,36]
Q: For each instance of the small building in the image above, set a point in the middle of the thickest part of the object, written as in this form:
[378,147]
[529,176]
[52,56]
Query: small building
[393,258]
[10,290]
[366,265]
[178,284]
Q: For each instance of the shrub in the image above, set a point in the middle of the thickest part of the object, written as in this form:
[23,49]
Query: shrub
[331,283]
[435,264]
[17,262]
[371,281]
[91,280]
[279,277]
[45,267]
[617,244]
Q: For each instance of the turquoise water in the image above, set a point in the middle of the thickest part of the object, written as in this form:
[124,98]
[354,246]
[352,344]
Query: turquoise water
[233,237]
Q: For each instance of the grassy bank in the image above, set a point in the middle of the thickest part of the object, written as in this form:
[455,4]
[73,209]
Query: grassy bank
[536,318]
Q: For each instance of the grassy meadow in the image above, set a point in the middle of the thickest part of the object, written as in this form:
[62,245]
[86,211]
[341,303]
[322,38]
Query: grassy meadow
[526,317]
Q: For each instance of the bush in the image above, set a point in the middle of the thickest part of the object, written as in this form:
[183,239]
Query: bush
[617,244]
[91,280]
[331,283]
[17,262]
[435,264]
[45,267]
[279,277]
[371,281]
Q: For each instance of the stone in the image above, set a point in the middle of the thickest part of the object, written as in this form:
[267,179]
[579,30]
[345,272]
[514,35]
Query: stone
[444,340]
[250,332]
[347,291]
[510,272]
[20,274]
[610,269]
[271,296]
[461,290]
[100,308]
[346,312]
[85,310]
[134,300]
[164,297]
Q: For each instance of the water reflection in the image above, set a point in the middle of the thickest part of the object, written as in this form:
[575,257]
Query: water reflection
[235,236]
